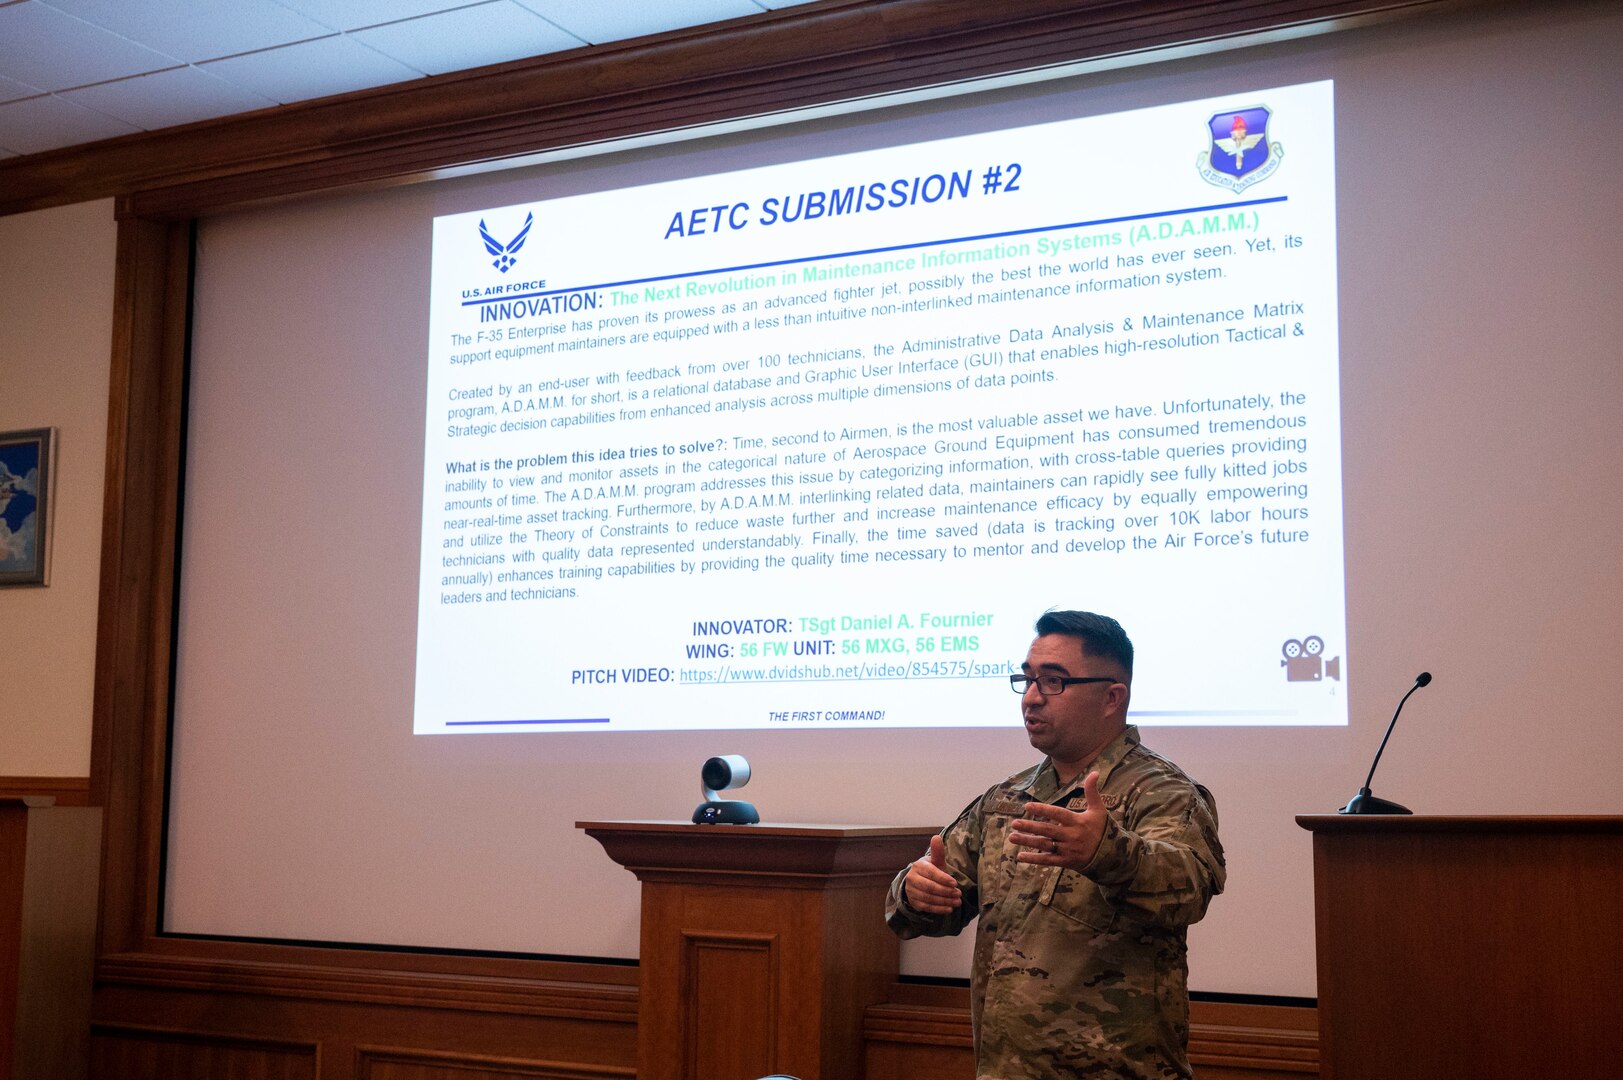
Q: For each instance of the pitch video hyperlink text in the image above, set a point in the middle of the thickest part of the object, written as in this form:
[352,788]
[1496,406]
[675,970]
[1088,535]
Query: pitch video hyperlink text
[865,671]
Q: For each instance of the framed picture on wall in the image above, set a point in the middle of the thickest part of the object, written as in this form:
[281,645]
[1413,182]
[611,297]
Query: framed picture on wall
[25,510]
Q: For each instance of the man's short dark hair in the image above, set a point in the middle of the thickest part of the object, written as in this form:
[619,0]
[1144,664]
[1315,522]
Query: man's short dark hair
[1100,635]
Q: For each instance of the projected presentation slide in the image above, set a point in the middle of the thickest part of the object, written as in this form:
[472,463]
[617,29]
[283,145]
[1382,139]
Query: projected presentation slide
[811,445]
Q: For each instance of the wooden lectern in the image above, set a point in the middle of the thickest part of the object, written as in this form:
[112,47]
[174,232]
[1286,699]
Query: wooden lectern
[1477,947]
[762,945]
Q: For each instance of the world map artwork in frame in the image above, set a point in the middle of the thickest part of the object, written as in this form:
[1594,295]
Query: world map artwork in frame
[25,486]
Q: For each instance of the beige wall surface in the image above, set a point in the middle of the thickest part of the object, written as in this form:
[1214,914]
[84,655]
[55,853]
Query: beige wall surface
[56,331]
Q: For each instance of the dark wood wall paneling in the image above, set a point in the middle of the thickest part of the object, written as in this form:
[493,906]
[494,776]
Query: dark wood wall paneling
[181,1007]
[134,1051]
[924,1033]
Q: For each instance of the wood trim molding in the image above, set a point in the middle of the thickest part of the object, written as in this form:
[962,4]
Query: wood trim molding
[921,1025]
[119,1049]
[129,736]
[367,1056]
[780,60]
[1260,1038]
[307,981]
[1362,825]
[148,1032]
[763,856]
[66,790]
[1265,1038]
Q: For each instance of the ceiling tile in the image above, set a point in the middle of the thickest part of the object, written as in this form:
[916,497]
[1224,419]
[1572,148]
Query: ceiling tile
[311,69]
[76,68]
[598,22]
[353,14]
[11,90]
[165,98]
[193,30]
[467,38]
[34,125]
[43,47]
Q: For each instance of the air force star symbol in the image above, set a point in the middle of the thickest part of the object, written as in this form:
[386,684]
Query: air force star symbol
[505,253]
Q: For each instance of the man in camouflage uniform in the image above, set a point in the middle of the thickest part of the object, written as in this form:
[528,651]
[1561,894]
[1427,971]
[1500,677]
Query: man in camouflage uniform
[1084,871]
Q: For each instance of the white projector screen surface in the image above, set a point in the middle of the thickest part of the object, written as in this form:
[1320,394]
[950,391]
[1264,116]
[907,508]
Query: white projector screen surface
[1475,270]
[824,428]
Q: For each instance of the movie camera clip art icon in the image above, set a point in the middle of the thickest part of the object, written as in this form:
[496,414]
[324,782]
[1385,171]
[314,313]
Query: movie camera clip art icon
[506,254]
[1304,661]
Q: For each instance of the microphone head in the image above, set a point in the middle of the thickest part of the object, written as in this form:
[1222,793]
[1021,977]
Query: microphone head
[1423,679]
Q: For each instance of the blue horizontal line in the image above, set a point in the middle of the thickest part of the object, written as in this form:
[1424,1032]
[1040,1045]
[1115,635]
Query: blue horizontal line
[880,250]
[492,723]
[1213,712]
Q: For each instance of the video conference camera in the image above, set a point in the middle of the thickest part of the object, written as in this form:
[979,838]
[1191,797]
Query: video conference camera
[717,775]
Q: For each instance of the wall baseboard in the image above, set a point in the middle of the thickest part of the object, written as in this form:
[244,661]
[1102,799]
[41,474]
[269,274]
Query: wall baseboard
[276,1021]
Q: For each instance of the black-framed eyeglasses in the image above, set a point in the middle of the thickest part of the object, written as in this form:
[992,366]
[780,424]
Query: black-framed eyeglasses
[1052,684]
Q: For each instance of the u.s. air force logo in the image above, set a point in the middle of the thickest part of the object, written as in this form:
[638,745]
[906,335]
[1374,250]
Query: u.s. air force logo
[506,254]
[1240,154]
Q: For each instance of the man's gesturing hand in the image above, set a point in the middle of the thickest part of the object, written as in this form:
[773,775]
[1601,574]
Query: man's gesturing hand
[1055,836]
[929,887]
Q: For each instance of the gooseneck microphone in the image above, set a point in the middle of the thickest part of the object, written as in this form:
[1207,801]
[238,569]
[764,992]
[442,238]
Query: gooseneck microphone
[1364,802]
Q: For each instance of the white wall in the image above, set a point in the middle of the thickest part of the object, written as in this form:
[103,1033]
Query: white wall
[56,332]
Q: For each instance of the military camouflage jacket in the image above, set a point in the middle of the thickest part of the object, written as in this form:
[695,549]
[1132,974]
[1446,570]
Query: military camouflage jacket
[1082,974]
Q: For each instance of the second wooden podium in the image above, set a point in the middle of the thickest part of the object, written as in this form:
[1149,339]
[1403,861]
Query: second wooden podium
[762,945]
[1479,947]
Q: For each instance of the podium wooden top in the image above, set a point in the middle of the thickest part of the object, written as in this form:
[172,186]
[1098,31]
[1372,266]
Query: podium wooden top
[784,850]
[1435,823]
[765,828]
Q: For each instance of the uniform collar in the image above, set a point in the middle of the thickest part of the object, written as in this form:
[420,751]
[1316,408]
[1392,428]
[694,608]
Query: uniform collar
[1043,783]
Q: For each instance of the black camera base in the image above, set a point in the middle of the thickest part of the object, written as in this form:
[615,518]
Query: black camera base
[726,812]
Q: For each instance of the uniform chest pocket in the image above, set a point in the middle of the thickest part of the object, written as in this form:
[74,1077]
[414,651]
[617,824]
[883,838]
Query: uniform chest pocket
[1078,899]
[1000,863]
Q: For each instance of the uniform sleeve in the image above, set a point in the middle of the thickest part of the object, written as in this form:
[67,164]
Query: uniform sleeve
[1166,863]
[963,842]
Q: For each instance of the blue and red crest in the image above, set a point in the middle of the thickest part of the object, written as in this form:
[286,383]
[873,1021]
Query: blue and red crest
[1240,154]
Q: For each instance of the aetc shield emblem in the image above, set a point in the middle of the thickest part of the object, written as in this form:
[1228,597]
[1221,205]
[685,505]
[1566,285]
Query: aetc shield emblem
[1240,154]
